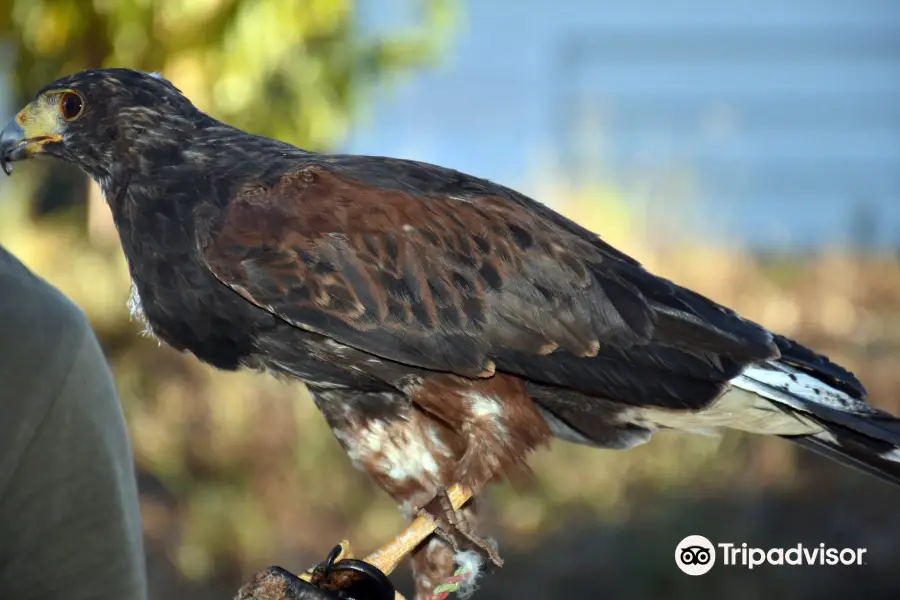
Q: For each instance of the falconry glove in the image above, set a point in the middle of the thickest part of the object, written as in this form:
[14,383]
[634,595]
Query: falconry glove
[336,578]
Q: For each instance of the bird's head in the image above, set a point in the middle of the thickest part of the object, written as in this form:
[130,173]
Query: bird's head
[98,118]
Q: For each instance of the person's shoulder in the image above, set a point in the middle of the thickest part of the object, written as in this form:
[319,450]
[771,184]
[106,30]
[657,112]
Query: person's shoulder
[32,308]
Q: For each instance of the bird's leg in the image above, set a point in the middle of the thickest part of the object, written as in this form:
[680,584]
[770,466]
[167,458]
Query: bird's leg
[447,523]
[391,554]
[435,560]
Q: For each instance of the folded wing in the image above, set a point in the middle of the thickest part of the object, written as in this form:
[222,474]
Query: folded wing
[394,258]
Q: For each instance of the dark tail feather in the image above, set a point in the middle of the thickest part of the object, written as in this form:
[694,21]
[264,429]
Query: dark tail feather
[855,433]
[878,456]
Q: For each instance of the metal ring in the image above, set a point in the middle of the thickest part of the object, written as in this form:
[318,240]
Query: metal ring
[371,571]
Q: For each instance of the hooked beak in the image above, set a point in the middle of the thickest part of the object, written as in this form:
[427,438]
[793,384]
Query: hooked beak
[26,134]
[13,145]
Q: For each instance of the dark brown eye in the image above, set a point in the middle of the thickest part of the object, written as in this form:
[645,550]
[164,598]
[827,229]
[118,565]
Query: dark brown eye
[70,106]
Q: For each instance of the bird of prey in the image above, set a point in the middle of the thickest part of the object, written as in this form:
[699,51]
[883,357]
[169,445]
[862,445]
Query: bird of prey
[446,326]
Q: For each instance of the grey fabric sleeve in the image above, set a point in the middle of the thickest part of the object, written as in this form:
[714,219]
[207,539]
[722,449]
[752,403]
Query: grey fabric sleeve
[69,517]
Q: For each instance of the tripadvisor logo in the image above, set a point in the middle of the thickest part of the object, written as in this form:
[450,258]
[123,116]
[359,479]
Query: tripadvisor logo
[696,555]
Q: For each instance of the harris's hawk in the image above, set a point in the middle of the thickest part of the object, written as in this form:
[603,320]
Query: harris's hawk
[446,326]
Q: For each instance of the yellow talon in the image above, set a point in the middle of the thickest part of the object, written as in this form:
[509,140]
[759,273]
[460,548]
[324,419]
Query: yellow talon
[389,556]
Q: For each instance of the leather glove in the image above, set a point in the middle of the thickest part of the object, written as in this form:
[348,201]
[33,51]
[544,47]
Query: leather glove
[347,579]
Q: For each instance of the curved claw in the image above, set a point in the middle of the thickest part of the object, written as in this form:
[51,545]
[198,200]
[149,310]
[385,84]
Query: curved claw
[391,554]
[341,551]
[337,571]
[384,560]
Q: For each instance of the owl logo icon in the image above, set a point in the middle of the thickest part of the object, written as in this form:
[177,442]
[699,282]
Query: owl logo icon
[695,555]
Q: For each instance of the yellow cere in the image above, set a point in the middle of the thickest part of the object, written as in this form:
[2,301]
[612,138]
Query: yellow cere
[41,119]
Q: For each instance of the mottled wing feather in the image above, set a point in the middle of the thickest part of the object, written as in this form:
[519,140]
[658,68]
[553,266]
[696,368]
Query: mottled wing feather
[467,283]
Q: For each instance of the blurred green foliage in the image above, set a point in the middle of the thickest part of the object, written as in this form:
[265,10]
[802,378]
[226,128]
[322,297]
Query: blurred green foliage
[290,69]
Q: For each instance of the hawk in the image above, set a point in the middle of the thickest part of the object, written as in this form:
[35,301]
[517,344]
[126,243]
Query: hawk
[446,326]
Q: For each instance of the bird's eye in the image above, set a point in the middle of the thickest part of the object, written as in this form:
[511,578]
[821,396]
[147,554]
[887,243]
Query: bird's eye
[71,106]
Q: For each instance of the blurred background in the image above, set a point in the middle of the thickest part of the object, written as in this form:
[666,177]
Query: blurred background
[749,149]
